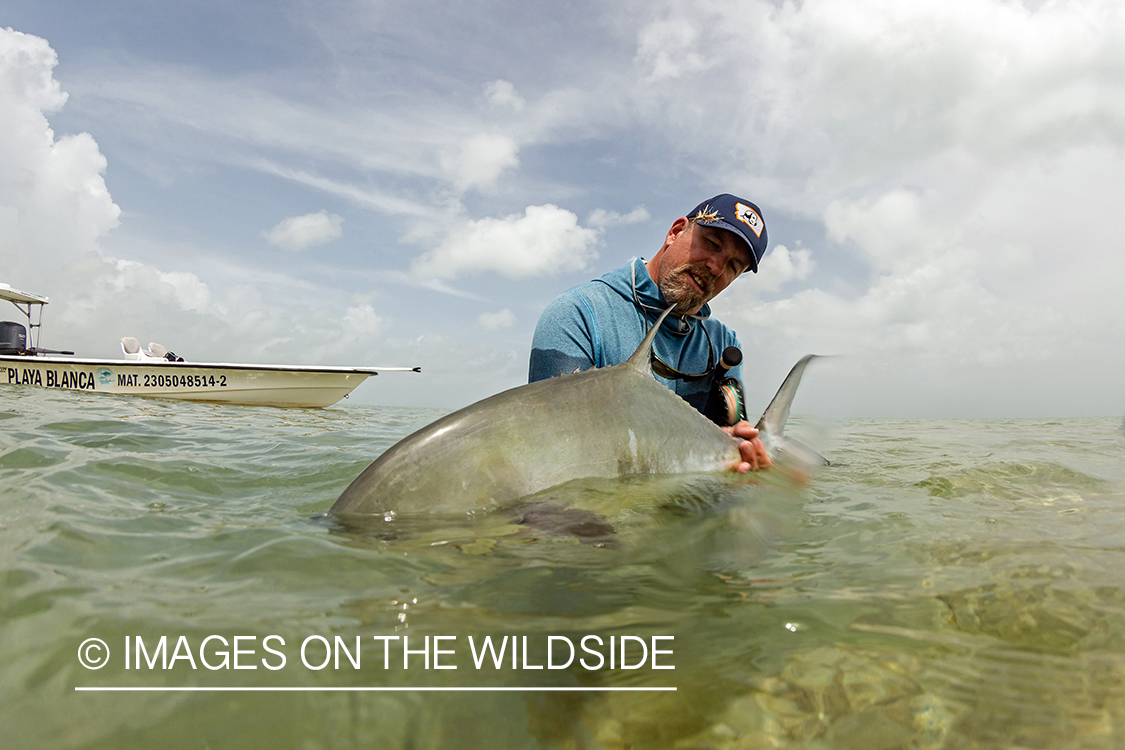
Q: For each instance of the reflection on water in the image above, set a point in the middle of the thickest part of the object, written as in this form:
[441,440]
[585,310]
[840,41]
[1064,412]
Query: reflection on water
[942,584]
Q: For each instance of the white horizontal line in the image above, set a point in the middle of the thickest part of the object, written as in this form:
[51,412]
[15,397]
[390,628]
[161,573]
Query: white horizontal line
[372,689]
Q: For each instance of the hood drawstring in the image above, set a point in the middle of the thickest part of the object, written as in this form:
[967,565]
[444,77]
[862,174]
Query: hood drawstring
[681,320]
[659,366]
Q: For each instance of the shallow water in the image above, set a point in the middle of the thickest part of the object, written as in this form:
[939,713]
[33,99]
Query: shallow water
[942,584]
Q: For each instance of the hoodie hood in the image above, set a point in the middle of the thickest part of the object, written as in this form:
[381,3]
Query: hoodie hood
[634,283]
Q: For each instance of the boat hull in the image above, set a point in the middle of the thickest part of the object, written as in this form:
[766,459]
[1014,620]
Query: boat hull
[259,385]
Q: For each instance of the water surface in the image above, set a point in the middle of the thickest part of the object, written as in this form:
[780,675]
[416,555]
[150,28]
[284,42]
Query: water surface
[944,584]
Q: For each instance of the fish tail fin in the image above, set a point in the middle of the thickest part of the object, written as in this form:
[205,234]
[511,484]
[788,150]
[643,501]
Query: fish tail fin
[642,358]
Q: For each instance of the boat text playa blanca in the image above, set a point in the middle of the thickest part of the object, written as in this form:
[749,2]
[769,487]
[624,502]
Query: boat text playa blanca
[155,372]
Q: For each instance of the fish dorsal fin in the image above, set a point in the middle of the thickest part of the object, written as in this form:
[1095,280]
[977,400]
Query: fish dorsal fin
[642,358]
[776,414]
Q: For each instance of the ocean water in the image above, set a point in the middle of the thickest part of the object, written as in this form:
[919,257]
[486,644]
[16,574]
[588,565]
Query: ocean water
[943,584]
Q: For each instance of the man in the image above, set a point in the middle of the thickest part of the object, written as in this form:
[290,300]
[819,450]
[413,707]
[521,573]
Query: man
[602,323]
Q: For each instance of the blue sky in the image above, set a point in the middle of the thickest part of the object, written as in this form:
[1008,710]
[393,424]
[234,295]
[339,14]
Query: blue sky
[375,183]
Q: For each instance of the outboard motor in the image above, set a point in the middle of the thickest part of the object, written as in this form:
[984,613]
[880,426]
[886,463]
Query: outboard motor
[726,404]
[13,338]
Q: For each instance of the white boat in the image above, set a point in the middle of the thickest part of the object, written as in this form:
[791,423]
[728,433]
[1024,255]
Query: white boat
[156,373]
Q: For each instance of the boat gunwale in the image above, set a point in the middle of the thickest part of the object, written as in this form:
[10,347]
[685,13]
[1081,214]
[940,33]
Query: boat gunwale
[332,369]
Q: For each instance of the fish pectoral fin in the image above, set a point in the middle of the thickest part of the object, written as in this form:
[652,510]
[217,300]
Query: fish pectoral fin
[802,453]
[558,520]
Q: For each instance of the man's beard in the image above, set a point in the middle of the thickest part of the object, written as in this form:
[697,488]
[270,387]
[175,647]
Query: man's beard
[679,292]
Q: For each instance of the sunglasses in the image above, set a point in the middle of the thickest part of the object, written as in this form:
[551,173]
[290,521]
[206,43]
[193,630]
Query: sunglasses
[666,371]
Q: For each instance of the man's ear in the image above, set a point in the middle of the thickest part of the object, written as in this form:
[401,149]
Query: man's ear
[678,227]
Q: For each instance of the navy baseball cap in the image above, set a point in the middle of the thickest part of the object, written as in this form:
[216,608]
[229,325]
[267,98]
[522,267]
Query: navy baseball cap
[736,215]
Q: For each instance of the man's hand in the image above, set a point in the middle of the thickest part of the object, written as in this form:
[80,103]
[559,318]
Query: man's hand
[754,457]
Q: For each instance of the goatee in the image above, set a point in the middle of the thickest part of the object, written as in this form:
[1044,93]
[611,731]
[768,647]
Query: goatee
[678,290]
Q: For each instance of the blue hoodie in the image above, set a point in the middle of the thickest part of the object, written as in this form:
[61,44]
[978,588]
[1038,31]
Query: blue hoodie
[602,323]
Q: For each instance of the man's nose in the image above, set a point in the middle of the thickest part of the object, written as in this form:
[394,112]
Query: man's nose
[715,263]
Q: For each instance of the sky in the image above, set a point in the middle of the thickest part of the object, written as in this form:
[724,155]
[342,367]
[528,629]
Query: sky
[370,183]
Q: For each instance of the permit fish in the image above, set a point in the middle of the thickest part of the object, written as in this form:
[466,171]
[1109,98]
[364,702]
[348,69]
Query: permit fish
[602,423]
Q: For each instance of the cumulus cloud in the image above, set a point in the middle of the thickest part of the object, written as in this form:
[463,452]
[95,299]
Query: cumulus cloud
[502,93]
[302,232]
[495,321]
[823,96]
[359,324]
[782,266]
[54,204]
[956,154]
[667,49]
[600,217]
[1000,309]
[888,229]
[188,289]
[543,241]
[478,161]
[55,213]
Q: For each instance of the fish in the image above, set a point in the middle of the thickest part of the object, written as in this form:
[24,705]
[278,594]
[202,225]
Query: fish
[607,422]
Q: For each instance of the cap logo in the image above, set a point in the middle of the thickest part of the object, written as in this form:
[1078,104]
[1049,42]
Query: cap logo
[750,218]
